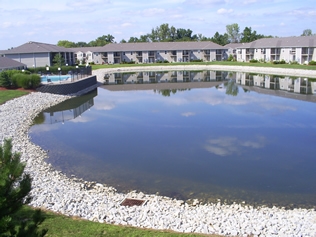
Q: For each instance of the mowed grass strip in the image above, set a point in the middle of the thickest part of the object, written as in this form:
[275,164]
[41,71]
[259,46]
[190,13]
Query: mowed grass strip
[61,226]
[6,95]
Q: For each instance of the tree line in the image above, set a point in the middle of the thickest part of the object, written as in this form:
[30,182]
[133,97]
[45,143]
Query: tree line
[166,33]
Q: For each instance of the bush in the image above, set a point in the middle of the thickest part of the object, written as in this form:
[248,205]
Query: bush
[253,61]
[162,61]
[196,60]
[312,63]
[5,79]
[293,62]
[15,186]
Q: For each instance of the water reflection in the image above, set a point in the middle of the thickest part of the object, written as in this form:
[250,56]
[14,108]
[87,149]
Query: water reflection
[196,139]
[163,76]
[67,110]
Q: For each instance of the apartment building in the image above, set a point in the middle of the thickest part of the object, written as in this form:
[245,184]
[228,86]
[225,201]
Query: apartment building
[300,49]
[35,54]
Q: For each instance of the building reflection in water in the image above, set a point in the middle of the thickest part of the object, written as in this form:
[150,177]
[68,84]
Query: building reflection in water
[301,88]
[67,110]
[164,76]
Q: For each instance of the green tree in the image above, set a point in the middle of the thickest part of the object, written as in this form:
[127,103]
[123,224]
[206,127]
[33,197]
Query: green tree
[248,35]
[102,40]
[58,60]
[81,44]
[144,38]
[233,33]
[133,40]
[15,186]
[307,32]
[66,44]
[220,39]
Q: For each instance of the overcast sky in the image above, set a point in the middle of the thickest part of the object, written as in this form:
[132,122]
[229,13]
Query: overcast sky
[85,20]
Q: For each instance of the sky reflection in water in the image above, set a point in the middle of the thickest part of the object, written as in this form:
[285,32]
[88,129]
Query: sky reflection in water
[195,143]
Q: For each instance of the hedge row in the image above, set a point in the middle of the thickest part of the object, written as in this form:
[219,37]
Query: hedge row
[13,79]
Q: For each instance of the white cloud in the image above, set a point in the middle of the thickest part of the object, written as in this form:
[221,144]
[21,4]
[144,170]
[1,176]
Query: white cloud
[224,11]
[225,146]
[188,114]
[126,24]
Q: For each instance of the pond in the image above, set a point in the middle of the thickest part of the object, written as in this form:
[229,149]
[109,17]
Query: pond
[209,135]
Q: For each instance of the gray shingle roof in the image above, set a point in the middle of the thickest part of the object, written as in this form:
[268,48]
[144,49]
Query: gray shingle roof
[86,49]
[300,41]
[7,63]
[156,46]
[36,47]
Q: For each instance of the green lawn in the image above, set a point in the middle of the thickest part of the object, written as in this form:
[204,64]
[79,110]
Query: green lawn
[226,63]
[6,95]
[60,225]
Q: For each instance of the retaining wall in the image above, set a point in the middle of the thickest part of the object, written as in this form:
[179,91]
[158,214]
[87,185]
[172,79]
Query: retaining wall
[72,88]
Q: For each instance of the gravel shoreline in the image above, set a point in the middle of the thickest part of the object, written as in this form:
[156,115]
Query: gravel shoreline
[93,201]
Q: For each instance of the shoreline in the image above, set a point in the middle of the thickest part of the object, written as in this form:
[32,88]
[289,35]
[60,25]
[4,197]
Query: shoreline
[52,190]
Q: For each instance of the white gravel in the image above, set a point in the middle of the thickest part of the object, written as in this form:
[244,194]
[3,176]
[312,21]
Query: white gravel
[97,202]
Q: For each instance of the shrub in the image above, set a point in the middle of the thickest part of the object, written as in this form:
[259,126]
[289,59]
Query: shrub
[312,63]
[35,80]
[5,79]
[230,58]
[253,61]
[293,62]
[196,60]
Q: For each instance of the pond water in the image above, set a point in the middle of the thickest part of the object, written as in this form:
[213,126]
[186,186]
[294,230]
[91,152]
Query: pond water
[230,136]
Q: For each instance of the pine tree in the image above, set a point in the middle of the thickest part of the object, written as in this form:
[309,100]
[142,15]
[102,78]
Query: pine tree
[15,186]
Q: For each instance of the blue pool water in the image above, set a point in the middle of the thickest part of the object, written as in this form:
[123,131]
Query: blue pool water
[55,78]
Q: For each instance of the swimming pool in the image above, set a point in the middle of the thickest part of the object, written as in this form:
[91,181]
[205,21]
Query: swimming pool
[55,78]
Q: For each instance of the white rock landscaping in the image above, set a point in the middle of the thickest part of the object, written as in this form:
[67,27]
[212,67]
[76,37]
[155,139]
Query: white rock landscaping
[97,202]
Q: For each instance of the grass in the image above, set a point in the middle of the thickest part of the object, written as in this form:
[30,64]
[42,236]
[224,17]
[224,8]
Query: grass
[225,63]
[6,95]
[60,225]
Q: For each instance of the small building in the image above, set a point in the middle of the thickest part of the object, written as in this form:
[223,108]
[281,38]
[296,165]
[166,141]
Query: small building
[300,49]
[7,64]
[35,54]
[84,55]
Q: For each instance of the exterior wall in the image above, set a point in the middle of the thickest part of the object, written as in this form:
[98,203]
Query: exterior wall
[32,60]
[288,54]
[70,88]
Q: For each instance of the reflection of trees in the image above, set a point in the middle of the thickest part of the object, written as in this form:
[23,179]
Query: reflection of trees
[39,119]
[167,92]
[231,87]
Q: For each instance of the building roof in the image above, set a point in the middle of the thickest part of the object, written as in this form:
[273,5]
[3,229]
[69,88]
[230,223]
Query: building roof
[233,45]
[87,49]
[156,46]
[7,63]
[300,41]
[35,47]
